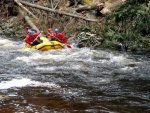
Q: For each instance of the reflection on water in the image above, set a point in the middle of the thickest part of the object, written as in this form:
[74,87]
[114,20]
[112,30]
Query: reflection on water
[72,80]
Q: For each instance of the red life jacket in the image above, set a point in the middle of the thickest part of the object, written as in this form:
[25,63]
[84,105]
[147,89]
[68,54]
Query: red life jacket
[50,34]
[30,38]
[61,37]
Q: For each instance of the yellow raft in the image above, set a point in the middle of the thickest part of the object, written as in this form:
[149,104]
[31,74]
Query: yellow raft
[46,45]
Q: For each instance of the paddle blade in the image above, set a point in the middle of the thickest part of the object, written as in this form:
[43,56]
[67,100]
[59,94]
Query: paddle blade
[69,46]
[18,44]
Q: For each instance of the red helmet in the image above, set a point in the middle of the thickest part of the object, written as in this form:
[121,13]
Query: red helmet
[49,30]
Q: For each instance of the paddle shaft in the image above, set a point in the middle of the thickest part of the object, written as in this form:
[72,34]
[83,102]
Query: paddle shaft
[63,42]
[37,37]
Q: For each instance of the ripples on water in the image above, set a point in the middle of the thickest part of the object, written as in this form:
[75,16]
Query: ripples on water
[72,80]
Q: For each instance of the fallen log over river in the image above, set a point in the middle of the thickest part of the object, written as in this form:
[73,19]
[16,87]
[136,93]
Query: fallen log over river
[25,9]
[28,20]
[57,11]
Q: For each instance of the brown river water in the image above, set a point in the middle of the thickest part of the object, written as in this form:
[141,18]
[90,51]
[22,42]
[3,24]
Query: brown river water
[72,80]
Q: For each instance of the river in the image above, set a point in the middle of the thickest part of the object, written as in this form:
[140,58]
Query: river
[72,80]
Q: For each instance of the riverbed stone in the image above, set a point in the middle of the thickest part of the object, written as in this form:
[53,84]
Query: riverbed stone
[4,97]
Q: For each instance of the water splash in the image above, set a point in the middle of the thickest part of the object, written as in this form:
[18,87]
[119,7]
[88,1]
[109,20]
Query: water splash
[23,82]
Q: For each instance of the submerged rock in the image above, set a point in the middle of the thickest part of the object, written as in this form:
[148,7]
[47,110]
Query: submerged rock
[4,97]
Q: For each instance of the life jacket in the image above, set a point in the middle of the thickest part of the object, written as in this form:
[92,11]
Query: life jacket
[50,34]
[31,38]
[61,37]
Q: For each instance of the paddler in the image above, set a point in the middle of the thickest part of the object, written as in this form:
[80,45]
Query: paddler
[31,38]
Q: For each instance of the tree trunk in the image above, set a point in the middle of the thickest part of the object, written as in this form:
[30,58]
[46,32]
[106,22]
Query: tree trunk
[91,7]
[28,20]
[109,7]
[57,11]
[25,9]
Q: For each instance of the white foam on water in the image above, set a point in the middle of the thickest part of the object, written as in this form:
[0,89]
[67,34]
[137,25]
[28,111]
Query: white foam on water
[72,55]
[6,43]
[47,68]
[23,82]
[41,58]
[127,68]
[118,58]
[29,59]
[121,59]
[23,58]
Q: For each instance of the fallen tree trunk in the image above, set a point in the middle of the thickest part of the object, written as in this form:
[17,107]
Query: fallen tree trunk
[56,11]
[18,2]
[91,7]
[28,20]
[109,7]
[31,24]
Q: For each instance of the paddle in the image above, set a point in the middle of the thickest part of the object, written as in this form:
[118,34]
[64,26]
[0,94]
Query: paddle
[38,36]
[69,46]
[18,44]
[33,41]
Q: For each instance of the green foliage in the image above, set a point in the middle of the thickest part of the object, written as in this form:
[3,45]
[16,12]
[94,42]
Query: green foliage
[90,28]
[141,23]
[130,24]
[85,29]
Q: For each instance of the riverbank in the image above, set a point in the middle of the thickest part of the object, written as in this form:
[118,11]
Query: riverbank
[12,27]
[106,33]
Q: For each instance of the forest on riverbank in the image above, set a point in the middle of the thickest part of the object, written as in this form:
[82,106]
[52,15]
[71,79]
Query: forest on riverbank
[119,24]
